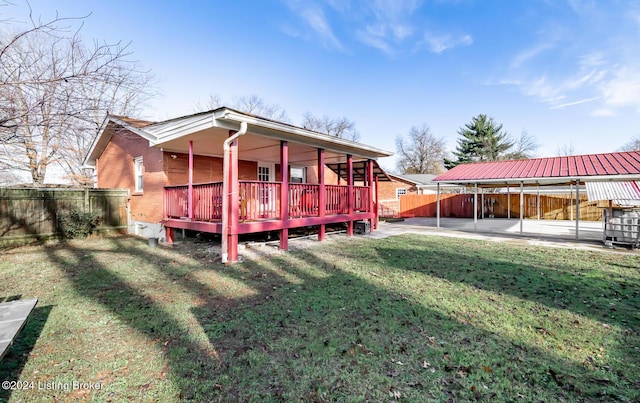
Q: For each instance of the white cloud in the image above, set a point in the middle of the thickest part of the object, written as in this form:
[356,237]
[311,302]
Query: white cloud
[315,19]
[623,89]
[578,102]
[521,58]
[440,43]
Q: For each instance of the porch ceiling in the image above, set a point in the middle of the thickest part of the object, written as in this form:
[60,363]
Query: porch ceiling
[251,147]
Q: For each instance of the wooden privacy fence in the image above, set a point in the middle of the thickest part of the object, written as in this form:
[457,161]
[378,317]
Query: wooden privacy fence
[552,207]
[28,214]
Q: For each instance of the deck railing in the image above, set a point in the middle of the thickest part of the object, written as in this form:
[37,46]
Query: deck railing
[261,200]
[175,201]
[337,197]
[361,198]
[207,201]
[303,200]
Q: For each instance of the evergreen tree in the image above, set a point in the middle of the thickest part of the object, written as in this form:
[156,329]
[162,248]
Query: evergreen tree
[481,140]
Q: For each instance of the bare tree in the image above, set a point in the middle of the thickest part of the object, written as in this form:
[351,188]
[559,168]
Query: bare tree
[55,92]
[339,127]
[632,145]
[566,150]
[421,152]
[523,147]
[252,104]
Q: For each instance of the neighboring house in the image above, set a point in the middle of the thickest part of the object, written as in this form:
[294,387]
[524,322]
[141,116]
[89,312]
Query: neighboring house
[399,185]
[188,173]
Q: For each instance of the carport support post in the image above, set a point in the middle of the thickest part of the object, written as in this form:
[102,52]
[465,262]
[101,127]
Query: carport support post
[284,194]
[508,202]
[438,205]
[321,193]
[577,206]
[475,207]
[482,203]
[521,205]
[538,202]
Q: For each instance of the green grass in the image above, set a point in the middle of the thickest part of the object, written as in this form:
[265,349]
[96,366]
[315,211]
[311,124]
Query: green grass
[409,318]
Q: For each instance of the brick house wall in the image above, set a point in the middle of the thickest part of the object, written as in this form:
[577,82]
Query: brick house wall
[389,205]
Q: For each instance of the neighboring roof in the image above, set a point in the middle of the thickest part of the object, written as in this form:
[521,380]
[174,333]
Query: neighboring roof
[621,193]
[229,119]
[416,179]
[137,123]
[618,165]
[359,171]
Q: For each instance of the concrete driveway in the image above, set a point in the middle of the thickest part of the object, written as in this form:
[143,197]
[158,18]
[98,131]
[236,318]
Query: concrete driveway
[534,232]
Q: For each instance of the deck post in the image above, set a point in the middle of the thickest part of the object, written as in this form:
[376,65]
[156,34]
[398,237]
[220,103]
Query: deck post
[233,205]
[169,235]
[350,196]
[438,205]
[377,206]
[370,190]
[322,196]
[284,194]
[190,183]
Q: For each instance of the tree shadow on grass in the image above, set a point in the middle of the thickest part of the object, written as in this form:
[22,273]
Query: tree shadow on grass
[306,329]
[13,362]
[332,335]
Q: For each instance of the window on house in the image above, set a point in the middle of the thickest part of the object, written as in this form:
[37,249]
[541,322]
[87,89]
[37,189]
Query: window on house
[297,175]
[400,192]
[138,171]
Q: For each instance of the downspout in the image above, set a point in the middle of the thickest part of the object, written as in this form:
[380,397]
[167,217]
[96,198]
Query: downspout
[224,247]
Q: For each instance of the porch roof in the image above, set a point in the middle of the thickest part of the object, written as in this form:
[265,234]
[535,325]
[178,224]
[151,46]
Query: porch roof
[208,130]
[359,171]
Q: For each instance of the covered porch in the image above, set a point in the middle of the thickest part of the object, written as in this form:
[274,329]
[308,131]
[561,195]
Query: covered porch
[255,190]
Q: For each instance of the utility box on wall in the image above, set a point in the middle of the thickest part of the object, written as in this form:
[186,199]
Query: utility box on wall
[361,227]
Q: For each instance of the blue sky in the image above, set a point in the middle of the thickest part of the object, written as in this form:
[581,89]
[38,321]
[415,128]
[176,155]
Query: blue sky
[566,71]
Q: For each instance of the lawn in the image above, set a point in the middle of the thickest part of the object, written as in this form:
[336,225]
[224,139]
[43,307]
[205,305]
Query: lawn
[408,318]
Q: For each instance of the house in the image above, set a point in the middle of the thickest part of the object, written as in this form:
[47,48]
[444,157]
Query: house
[232,173]
[398,185]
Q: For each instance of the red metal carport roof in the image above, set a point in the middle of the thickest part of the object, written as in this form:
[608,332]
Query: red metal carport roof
[555,169]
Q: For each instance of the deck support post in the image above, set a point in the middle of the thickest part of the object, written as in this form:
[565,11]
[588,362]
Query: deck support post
[169,235]
[521,205]
[322,195]
[234,200]
[377,205]
[284,194]
[370,190]
[350,197]
[190,183]
[438,205]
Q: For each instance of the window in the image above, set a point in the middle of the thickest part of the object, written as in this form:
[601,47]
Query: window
[297,175]
[138,172]
[400,192]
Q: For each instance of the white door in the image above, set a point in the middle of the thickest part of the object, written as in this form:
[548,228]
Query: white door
[266,173]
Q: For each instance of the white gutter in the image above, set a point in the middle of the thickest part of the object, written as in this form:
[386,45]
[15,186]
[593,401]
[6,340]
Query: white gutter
[224,246]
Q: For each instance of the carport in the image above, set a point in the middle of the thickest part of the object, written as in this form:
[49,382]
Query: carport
[575,171]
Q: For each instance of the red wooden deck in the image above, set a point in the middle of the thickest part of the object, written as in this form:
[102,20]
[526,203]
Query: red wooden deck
[259,206]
